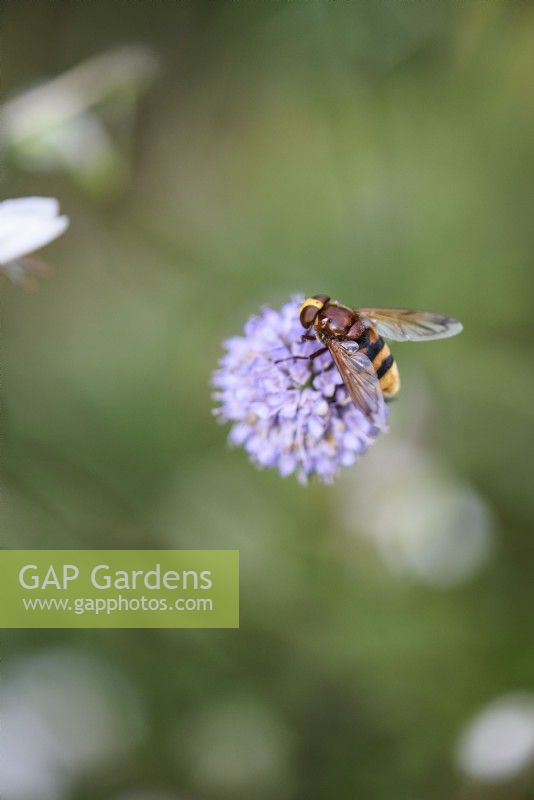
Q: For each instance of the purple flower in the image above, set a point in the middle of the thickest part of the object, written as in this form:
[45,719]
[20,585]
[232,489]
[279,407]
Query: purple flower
[294,415]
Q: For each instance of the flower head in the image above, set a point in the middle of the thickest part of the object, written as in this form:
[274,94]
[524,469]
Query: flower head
[27,224]
[498,744]
[292,414]
[81,121]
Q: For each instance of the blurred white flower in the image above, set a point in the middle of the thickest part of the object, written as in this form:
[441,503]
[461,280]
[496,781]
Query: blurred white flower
[236,747]
[62,713]
[67,123]
[499,742]
[26,224]
[425,522]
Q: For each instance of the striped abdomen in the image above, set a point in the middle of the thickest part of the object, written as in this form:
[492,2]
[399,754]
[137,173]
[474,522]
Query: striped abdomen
[379,353]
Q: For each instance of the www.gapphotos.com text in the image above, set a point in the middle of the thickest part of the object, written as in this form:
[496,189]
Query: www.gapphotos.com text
[112,605]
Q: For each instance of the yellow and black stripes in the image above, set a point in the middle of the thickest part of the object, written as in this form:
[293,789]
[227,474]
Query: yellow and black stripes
[380,355]
[386,364]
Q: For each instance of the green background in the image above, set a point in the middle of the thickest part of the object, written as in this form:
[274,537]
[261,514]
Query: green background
[378,151]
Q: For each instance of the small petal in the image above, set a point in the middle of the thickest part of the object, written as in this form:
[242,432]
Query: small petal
[27,224]
[34,206]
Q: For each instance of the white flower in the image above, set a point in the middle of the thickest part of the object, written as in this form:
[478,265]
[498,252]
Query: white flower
[80,121]
[27,224]
[64,713]
[499,743]
[235,747]
[425,522]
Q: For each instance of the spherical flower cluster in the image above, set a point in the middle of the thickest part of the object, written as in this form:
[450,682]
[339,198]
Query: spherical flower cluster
[291,414]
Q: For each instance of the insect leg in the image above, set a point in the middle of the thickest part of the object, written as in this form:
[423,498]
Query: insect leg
[304,358]
[318,353]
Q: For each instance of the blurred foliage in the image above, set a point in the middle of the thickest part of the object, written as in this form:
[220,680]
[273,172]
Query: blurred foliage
[381,152]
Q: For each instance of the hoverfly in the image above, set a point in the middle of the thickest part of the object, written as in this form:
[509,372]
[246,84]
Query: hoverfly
[353,336]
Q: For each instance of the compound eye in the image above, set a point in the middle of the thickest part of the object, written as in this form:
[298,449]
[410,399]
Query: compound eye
[308,315]
[310,308]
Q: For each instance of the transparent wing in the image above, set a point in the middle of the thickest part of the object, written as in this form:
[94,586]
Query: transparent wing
[403,324]
[360,378]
